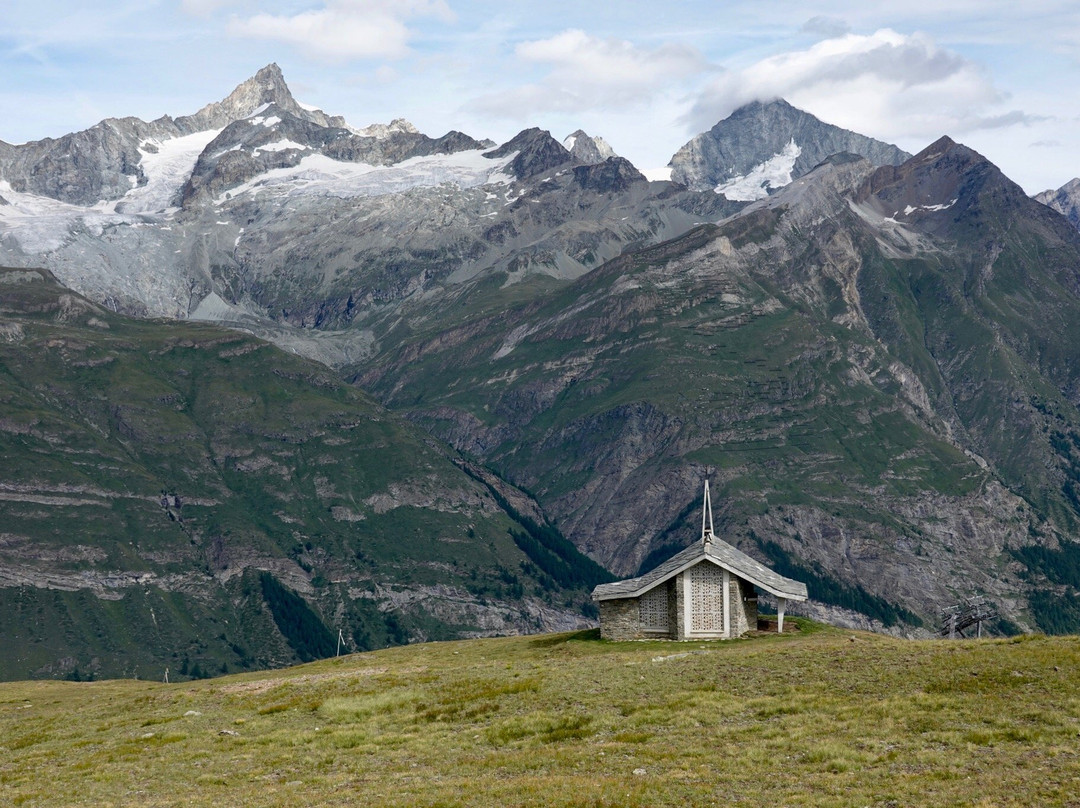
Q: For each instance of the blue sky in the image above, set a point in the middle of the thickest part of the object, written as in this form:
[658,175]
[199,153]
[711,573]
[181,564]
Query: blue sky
[1001,77]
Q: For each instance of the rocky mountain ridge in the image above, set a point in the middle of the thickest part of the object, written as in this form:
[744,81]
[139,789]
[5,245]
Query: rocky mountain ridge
[188,223]
[588,149]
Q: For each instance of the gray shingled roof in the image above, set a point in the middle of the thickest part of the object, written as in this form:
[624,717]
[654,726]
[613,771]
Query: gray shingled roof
[717,551]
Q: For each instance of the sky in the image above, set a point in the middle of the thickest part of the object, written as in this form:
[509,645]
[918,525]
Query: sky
[999,76]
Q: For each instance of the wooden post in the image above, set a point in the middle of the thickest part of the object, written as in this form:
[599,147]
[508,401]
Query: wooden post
[781,603]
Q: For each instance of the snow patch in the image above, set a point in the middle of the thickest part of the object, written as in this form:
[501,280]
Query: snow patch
[931,208]
[280,145]
[166,170]
[319,175]
[42,225]
[772,174]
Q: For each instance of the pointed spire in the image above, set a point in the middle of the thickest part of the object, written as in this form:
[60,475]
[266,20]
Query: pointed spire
[706,517]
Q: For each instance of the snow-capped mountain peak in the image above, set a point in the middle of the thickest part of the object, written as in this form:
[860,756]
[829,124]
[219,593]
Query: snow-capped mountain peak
[755,147]
[265,88]
[588,149]
[383,130]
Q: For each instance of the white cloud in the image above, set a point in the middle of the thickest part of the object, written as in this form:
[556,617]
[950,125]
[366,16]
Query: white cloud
[887,85]
[588,73]
[345,29]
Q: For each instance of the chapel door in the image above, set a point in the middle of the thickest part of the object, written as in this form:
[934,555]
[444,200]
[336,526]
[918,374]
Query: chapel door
[707,592]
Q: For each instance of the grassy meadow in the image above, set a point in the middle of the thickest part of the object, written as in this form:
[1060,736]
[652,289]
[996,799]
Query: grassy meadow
[814,717]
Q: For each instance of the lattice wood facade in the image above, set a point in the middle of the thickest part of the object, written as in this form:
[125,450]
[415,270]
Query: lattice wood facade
[653,611]
[706,599]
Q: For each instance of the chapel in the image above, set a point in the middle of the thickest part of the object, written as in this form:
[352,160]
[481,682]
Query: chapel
[707,591]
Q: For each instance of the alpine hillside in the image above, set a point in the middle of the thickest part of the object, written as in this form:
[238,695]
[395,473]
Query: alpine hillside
[182,496]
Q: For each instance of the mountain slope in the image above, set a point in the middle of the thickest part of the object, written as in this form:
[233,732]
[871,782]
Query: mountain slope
[876,367]
[761,147]
[168,489]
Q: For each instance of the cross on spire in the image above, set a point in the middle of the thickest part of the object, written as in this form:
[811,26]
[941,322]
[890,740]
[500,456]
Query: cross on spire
[706,517]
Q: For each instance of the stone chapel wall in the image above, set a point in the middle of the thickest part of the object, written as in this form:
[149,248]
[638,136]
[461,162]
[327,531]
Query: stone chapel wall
[742,600]
[620,619]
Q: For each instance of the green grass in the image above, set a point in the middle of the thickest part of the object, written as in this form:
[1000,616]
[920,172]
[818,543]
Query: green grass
[818,717]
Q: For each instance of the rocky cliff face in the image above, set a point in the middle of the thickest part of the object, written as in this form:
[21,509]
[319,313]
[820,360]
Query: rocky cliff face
[761,147]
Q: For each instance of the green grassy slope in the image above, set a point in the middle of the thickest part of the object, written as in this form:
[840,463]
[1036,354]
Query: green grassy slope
[813,718]
[149,471]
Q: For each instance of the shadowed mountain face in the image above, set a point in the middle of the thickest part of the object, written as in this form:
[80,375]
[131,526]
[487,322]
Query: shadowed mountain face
[877,367]
[182,495]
